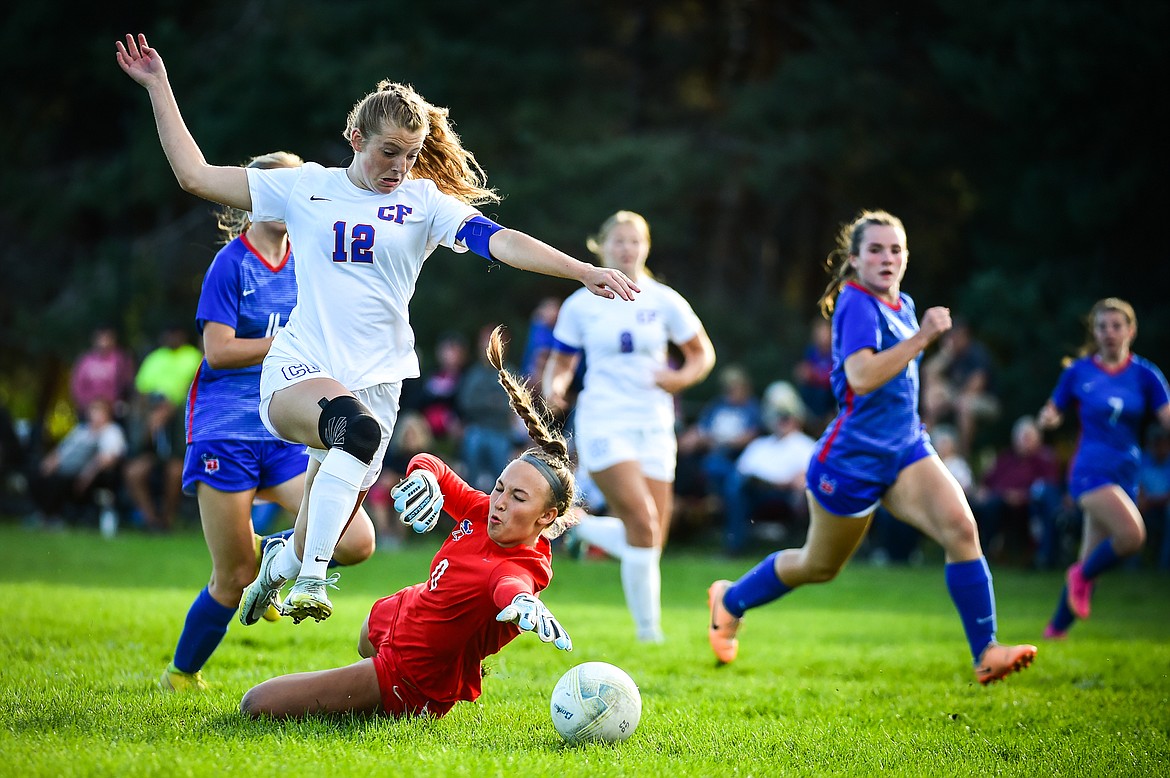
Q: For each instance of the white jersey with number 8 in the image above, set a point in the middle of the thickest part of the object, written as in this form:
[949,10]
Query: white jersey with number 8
[625,344]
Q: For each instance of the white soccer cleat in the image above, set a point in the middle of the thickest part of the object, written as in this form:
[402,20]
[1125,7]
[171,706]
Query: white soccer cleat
[309,599]
[264,592]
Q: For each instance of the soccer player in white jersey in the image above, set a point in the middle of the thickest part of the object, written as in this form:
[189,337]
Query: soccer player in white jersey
[332,379]
[624,417]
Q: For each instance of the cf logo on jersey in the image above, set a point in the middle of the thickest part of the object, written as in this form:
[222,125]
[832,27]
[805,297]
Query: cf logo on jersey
[464,528]
[394,213]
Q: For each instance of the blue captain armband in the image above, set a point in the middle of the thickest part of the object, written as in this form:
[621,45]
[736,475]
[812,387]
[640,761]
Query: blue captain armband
[476,233]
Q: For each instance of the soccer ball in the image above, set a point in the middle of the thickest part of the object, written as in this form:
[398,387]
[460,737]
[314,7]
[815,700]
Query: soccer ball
[596,702]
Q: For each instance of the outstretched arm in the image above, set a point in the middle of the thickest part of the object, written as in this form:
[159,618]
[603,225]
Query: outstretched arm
[525,252]
[225,185]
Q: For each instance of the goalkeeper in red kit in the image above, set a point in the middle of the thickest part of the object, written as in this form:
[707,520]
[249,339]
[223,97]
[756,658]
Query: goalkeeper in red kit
[422,647]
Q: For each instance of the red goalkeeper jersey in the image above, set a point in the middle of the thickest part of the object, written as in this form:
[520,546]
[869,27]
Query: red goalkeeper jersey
[440,630]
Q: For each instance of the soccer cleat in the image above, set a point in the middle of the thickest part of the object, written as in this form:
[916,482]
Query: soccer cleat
[309,599]
[997,661]
[175,680]
[1052,633]
[1080,592]
[721,635]
[263,592]
[271,613]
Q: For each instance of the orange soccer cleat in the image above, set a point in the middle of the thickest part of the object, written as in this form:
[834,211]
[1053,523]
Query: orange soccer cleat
[723,625]
[997,661]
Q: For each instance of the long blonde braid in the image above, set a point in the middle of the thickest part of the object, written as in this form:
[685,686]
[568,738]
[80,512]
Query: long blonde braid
[551,447]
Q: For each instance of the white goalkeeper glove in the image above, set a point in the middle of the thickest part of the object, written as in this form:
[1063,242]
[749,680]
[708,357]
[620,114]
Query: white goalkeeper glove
[418,500]
[530,615]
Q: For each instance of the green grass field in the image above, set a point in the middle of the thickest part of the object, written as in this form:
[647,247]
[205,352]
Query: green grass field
[866,675]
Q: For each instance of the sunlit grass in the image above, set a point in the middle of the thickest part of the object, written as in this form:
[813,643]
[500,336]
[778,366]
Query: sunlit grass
[867,675]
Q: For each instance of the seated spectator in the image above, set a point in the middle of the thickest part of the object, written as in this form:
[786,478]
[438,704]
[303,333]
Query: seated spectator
[812,375]
[490,434]
[412,435]
[13,455]
[770,471]
[104,372]
[724,427]
[1154,493]
[946,443]
[87,461]
[957,384]
[159,433]
[1018,499]
[441,385]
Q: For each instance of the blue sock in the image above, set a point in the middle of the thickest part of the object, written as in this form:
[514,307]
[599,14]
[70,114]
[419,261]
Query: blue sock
[756,587]
[207,623]
[969,584]
[287,535]
[1100,559]
[1063,618]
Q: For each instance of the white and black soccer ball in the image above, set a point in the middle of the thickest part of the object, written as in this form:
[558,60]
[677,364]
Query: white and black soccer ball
[596,702]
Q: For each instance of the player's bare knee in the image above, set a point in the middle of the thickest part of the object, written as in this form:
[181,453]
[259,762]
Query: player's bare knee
[348,425]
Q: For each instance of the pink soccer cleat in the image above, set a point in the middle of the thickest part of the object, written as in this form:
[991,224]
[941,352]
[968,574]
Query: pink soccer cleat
[1080,592]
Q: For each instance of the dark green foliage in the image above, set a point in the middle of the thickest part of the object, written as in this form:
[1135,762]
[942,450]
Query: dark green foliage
[1015,140]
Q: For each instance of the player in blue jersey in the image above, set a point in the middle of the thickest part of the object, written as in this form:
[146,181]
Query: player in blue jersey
[333,376]
[1114,392]
[248,293]
[876,451]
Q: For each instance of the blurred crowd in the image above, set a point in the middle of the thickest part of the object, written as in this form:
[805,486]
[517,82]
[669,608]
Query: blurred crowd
[741,462]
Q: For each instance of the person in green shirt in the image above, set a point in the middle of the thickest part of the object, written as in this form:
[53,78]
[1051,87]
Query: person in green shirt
[158,431]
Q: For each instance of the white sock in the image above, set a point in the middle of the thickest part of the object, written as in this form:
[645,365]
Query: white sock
[606,532]
[642,583]
[287,564]
[332,498]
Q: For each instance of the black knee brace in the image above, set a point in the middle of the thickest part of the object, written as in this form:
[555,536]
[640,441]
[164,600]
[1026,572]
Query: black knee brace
[346,424]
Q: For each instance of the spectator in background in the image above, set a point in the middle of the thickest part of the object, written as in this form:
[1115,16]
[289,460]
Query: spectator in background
[159,436]
[1018,498]
[1154,493]
[957,383]
[724,427]
[540,341]
[12,452]
[412,435]
[812,375]
[441,386]
[770,471]
[87,459]
[945,440]
[490,434]
[104,372]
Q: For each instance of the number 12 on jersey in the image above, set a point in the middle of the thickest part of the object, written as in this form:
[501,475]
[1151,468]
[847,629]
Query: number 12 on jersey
[360,243]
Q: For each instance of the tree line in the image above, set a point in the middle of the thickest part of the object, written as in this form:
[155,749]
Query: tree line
[1015,141]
